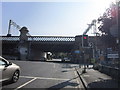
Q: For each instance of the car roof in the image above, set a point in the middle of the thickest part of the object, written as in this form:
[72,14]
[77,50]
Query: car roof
[2,58]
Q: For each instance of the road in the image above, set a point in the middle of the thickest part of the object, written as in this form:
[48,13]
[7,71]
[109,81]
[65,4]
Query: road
[36,74]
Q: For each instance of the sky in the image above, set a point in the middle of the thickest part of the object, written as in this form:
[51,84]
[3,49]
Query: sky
[51,17]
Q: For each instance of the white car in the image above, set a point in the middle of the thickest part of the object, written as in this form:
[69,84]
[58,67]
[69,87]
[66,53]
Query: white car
[8,71]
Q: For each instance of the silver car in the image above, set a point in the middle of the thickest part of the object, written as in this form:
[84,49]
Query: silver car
[8,71]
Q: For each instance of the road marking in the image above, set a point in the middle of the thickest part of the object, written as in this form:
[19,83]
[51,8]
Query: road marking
[44,78]
[25,84]
[86,75]
[54,65]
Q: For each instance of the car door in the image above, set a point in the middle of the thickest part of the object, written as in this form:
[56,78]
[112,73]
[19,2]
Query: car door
[3,73]
[1,69]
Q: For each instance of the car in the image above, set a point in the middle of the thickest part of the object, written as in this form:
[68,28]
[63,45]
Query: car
[65,59]
[43,59]
[9,71]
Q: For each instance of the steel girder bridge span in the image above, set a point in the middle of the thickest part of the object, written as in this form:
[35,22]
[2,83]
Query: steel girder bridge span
[36,45]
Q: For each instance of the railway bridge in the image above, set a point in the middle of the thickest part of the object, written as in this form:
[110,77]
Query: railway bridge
[33,47]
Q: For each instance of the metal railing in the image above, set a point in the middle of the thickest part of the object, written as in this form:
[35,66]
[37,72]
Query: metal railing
[51,38]
[13,38]
[39,38]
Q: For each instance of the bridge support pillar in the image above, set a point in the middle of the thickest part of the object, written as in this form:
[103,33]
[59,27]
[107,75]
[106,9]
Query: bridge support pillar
[23,44]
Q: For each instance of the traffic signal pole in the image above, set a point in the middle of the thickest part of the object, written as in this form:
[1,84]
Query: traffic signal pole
[84,45]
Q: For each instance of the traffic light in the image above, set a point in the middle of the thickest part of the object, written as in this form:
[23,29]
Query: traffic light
[84,40]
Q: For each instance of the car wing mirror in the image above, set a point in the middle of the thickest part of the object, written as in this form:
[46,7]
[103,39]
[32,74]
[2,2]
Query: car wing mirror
[7,64]
[10,63]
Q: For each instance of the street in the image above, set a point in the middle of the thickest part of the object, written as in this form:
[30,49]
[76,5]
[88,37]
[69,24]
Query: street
[56,49]
[36,74]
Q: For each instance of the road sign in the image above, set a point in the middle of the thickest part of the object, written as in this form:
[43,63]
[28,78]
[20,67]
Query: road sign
[112,55]
[77,51]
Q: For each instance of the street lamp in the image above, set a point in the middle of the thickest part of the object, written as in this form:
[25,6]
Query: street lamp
[9,27]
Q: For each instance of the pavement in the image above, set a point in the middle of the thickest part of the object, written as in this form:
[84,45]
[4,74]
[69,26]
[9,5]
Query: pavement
[95,79]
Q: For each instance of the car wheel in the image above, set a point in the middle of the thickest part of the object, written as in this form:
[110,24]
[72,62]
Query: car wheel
[15,76]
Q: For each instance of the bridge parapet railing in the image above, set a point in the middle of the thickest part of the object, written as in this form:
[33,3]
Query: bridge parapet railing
[13,38]
[51,38]
[40,38]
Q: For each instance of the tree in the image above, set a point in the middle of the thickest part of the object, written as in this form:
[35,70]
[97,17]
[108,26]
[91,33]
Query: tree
[108,21]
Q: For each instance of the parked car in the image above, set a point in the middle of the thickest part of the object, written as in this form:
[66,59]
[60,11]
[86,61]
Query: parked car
[43,59]
[9,71]
[65,59]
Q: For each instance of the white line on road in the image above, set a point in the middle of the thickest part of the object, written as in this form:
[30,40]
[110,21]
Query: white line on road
[44,78]
[34,78]
[54,65]
[25,84]
[86,75]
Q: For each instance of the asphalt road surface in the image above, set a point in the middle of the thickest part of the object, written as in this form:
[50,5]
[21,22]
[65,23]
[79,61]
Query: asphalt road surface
[36,74]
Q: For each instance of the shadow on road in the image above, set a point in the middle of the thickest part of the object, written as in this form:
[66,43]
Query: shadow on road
[64,71]
[6,83]
[64,84]
[59,62]
[103,84]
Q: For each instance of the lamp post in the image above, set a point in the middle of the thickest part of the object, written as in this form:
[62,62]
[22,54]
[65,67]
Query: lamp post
[9,27]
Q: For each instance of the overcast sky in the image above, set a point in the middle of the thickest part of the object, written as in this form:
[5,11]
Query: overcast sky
[52,18]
